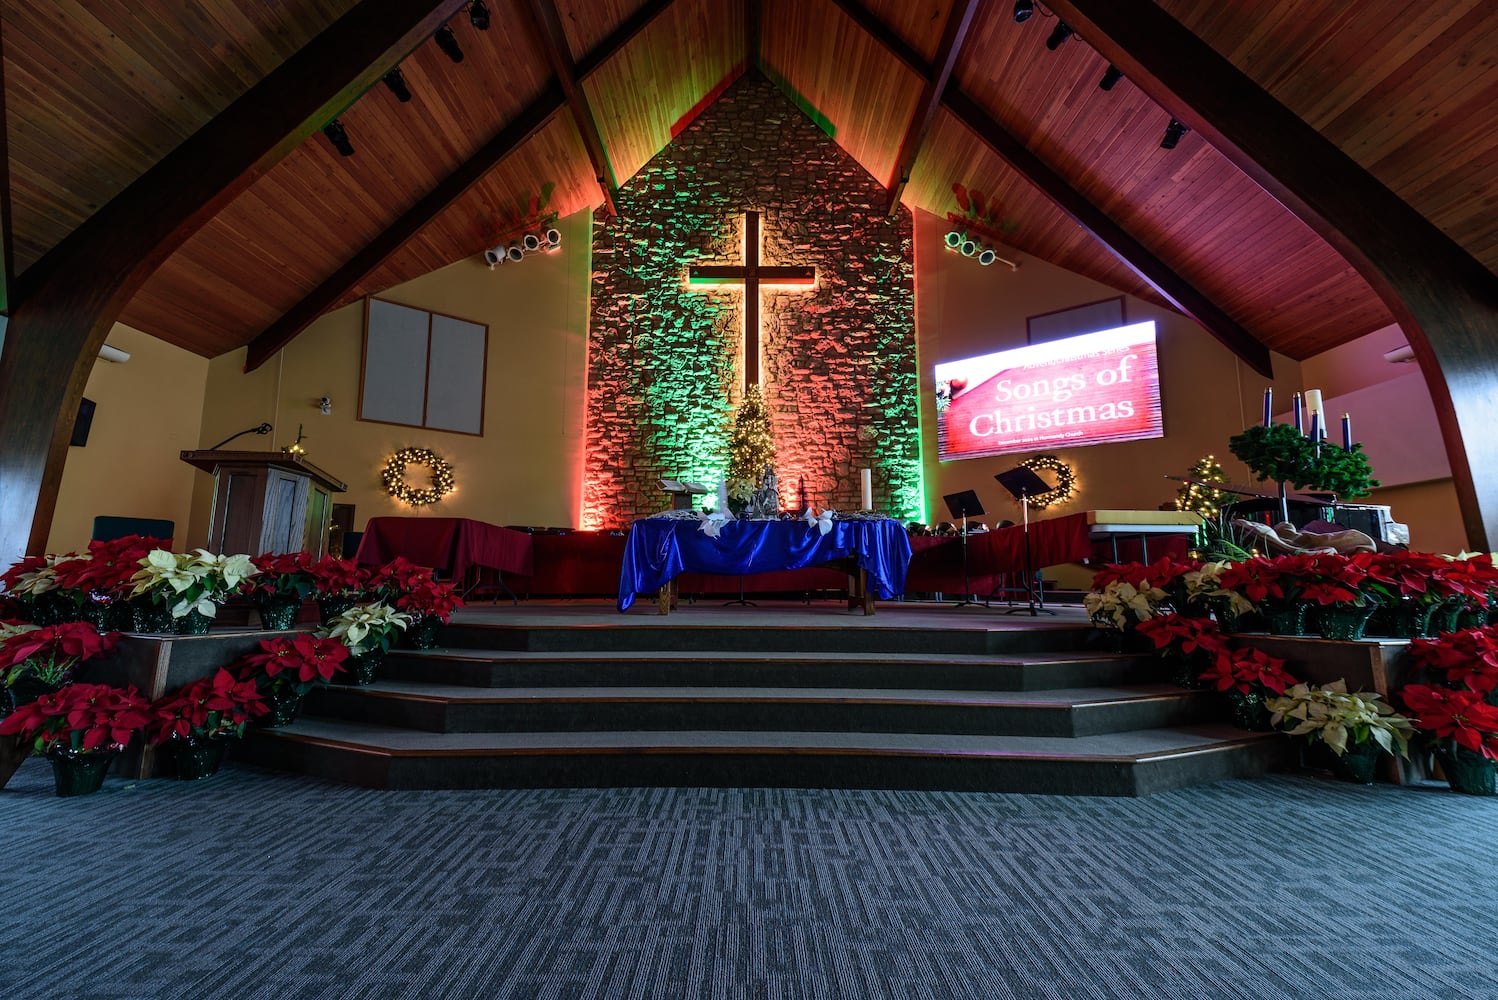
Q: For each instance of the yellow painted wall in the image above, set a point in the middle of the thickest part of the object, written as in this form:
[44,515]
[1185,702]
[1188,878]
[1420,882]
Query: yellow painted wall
[527,466]
[148,413]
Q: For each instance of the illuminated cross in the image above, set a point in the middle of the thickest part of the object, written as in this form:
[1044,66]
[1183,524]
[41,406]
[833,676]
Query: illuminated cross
[752,275]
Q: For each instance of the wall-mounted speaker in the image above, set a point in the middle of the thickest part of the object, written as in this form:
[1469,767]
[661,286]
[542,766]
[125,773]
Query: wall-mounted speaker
[83,423]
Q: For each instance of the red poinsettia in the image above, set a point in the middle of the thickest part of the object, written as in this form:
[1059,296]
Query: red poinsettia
[1414,575]
[1243,668]
[300,662]
[430,597]
[1184,634]
[1460,716]
[287,574]
[209,708]
[399,576]
[53,652]
[106,568]
[11,578]
[339,577]
[1465,659]
[1161,573]
[1330,578]
[79,718]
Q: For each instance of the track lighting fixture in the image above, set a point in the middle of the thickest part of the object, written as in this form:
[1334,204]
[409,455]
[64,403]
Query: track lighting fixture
[448,43]
[478,15]
[1059,34]
[546,240]
[397,84]
[1173,133]
[954,240]
[1022,10]
[1110,76]
[553,239]
[338,137]
[962,243]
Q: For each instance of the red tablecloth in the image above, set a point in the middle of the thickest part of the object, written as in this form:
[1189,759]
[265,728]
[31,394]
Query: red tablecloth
[451,544]
[936,562]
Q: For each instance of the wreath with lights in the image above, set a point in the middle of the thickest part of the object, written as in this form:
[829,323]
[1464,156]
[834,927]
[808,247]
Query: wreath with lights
[394,477]
[1066,480]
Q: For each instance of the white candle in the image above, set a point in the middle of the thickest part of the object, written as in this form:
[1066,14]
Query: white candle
[866,478]
[1313,404]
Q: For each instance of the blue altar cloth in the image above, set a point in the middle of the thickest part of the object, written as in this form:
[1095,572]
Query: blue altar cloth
[660,549]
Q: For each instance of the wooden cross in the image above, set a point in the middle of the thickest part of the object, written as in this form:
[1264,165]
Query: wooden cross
[753,276]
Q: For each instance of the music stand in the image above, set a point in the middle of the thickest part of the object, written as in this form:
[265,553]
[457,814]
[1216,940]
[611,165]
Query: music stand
[961,505]
[1022,483]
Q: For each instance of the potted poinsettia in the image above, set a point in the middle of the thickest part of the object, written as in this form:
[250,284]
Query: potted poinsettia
[1203,588]
[1462,728]
[431,604]
[102,575]
[368,630]
[287,667]
[1274,587]
[1414,586]
[1334,584]
[1190,642]
[285,580]
[79,728]
[37,660]
[191,586]
[1355,727]
[1466,659]
[32,583]
[1246,675]
[198,721]
[341,583]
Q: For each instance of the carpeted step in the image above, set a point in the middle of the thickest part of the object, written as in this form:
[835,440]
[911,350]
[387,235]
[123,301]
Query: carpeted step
[492,668]
[1133,763]
[1064,713]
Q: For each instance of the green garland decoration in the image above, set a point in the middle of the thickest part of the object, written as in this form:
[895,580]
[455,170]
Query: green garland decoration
[394,477]
[1284,454]
[1066,481]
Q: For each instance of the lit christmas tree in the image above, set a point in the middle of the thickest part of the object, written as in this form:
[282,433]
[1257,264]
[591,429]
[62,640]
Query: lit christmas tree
[751,448]
[1203,499]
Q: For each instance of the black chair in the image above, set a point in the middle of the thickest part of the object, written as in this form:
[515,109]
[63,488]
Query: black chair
[107,529]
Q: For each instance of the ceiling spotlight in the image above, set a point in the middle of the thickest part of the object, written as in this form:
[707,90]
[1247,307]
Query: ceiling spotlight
[986,256]
[397,85]
[1110,76]
[1022,10]
[495,255]
[531,242]
[1173,133]
[448,43]
[968,248]
[1059,34]
[514,252]
[954,240]
[478,15]
[338,137]
[553,238]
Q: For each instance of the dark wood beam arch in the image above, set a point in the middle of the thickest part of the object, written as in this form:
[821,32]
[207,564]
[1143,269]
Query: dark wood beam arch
[953,34]
[554,44]
[69,299]
[332,289]
[1176,290]
[1445,300]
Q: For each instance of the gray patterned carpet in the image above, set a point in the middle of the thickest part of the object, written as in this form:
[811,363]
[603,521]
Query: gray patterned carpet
[254,884]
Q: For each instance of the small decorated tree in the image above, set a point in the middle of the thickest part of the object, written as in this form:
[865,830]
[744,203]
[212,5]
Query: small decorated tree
[1205,500]
[751,449]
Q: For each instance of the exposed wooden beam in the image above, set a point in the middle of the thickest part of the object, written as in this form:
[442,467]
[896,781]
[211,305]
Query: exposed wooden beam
[68,300]
[1176,290]
[7,248]
[377,251]
[1179,292]
[554,42]
[959,20]
[1445,300]
[327,294]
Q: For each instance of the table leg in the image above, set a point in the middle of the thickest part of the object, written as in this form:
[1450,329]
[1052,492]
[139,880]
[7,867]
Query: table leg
[664,598]
[868,592]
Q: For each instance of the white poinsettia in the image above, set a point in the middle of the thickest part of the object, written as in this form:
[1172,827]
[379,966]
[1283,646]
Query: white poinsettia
[37,581]
[1336,718]
[162,569]
[1206,582]
[1122,604]
[197,582]
[365,626]
[8,629]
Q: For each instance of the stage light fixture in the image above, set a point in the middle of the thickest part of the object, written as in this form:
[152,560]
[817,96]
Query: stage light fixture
[338,137]
[553,239]
[1022,10]
[448,43]
[531,242]
[1110,76]
[495,255]
[954,240]
[397,84]
[514,252]
[1059,34]
[478,15]
[1173,133]
[986,256]
[969,248]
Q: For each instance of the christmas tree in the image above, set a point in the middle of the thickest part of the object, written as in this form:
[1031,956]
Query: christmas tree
[751,448]
[1203,499]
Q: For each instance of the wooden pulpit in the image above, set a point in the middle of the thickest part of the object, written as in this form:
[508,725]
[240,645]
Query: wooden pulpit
[267,501]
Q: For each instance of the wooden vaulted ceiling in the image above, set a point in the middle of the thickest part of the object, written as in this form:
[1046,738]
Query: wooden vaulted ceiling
[97,92]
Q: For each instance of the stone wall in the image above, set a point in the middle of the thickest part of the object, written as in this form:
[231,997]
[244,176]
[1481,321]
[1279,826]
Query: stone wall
[839,361]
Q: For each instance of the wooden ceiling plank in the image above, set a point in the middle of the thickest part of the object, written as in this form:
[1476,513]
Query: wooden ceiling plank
[954,33]
[1445,300]
[554,42]
[620,37]
[1133,254]
[881,32]
[68,300]
[377,251]
[372,255]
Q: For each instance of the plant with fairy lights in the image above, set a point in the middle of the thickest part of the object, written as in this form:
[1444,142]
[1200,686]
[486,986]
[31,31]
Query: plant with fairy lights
[1205,500]
[751,449]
